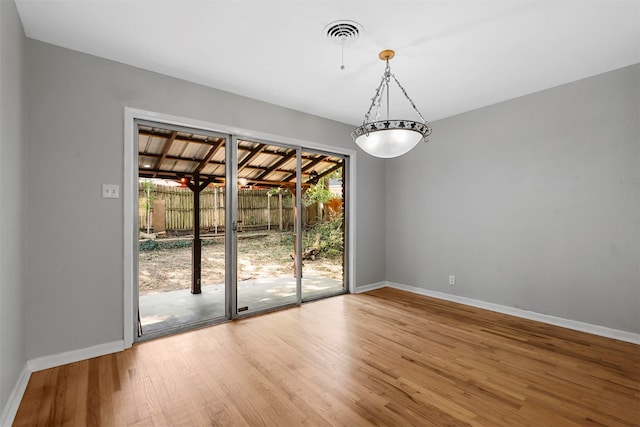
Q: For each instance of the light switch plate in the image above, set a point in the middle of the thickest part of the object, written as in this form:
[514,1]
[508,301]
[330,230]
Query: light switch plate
[110,191]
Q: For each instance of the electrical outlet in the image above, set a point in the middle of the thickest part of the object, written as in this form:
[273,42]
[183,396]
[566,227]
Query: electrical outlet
[452,280]
[110,191]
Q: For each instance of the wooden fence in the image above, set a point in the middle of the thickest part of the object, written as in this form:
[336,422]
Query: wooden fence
[170,209]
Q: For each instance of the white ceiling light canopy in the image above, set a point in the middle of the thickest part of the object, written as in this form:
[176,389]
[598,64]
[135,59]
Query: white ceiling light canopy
[391,137]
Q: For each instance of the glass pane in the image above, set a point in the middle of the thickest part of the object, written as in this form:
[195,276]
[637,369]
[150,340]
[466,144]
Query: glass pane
[175,167]
[323,227]
[265,224]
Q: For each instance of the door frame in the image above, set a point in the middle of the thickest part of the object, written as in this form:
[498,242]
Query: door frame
[130,186]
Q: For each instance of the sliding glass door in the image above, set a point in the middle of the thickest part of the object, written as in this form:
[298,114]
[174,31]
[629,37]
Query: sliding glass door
[231,226]
[181,247]
[290,231]
[266,227]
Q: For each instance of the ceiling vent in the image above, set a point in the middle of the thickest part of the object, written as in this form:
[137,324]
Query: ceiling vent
[343,31]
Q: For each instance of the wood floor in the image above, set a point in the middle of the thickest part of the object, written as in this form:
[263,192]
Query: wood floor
[382,358]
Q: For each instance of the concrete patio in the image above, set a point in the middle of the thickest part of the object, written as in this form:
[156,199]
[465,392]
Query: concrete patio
[166,311]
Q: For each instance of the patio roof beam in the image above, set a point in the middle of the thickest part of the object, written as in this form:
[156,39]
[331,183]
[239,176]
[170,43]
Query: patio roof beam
[209,140]
[308,166]
[208,157]
[285,158]
[165,150]
[330,170]
[176,176]
[249,157]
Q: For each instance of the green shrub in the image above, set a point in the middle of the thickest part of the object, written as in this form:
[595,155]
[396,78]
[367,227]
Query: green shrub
[148,245]
[327,237]
[286,239]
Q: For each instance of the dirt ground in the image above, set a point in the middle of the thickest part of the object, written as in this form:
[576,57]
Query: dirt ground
[259,255]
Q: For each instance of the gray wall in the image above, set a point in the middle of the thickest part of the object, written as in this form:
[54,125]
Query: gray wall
[75,143]
[12,200]
[533,203]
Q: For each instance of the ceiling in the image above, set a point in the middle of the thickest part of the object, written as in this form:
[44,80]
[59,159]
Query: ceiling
[451,56]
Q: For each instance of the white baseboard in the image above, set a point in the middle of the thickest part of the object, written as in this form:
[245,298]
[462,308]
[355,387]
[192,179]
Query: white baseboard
[11,408]
[531,315]
[46,362]
[54,360]
[371,287]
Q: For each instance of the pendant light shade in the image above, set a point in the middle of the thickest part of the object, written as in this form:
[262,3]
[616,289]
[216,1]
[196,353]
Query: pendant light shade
[389,138]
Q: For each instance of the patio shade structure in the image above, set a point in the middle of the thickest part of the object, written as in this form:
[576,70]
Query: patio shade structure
[199,160]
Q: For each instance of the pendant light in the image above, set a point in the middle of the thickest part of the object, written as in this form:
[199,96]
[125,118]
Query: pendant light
[391,137]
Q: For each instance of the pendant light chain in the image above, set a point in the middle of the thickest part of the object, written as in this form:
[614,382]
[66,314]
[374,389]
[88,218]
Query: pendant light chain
[384,83]
[387,73]
[410,101]
[379,104]
[376,97]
